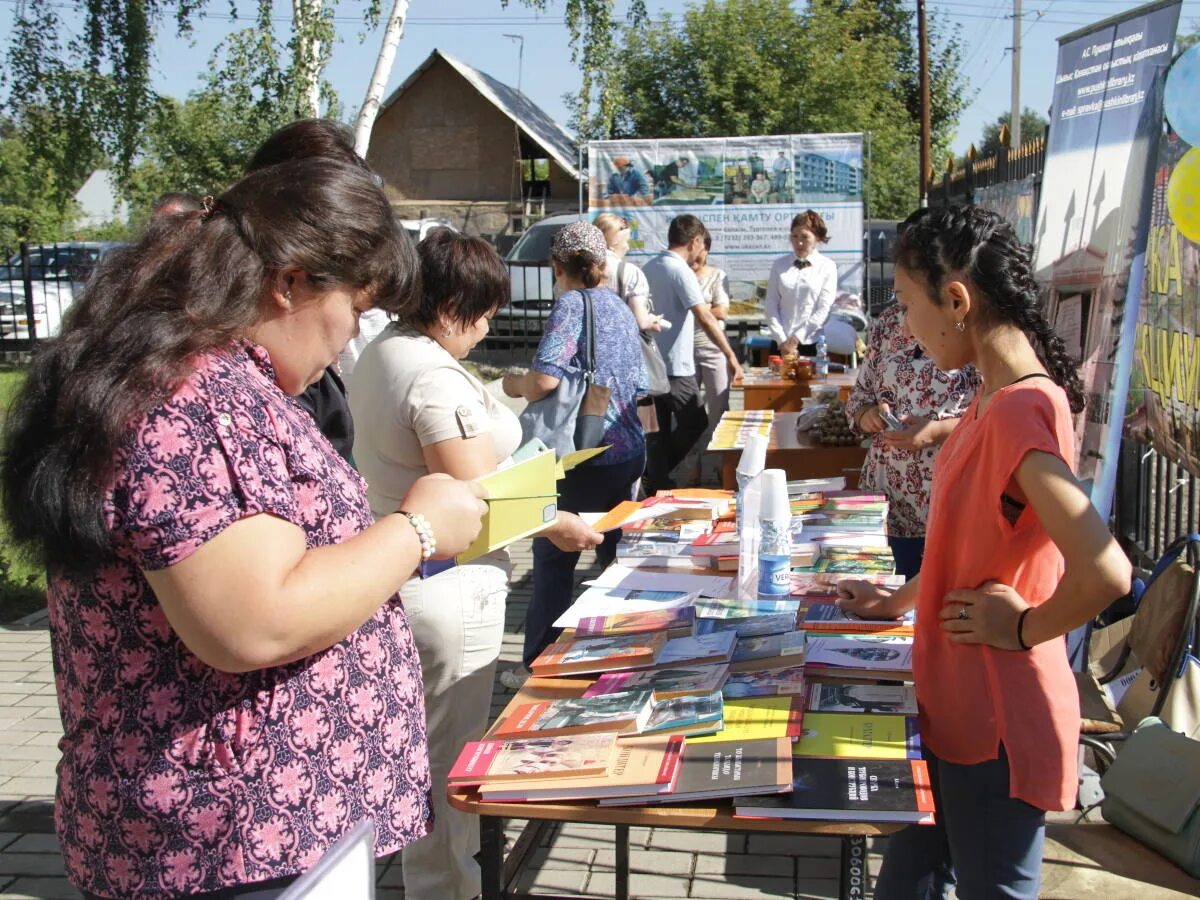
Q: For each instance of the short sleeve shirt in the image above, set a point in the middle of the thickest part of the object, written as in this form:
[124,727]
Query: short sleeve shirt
[408,392]
[618,361]
[675,290]
[974,697]
[177,778]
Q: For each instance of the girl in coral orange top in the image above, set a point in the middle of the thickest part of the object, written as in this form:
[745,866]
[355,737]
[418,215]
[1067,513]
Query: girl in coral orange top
[1016,556]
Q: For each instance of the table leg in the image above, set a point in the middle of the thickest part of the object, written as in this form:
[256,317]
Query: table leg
[622,847]
[491,857]
[853,879]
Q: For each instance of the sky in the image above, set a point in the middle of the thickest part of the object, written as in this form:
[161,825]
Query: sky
[537,56]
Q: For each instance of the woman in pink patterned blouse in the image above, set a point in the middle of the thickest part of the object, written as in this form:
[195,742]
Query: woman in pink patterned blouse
[898,380]
[237,680]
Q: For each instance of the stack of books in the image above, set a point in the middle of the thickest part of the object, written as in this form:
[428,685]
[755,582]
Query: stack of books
[736,425]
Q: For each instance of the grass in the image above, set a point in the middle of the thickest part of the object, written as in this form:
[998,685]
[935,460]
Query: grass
[22,585]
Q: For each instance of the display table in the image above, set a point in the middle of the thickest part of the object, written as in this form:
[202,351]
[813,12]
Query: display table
[798,455]
[785,394]
[499,873]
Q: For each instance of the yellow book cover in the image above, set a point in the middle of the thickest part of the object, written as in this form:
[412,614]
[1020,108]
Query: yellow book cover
[758,717]
[859,736]
[522,499]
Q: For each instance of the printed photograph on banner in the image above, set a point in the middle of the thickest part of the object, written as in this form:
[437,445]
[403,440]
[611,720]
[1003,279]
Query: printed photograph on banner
[1092,221]
[688,173]
[827,167]
[1014,200]
[758,171]
[1164,389]
[620,174]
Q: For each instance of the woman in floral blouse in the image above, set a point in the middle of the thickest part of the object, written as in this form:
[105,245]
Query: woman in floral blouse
[898,379]
[236,677]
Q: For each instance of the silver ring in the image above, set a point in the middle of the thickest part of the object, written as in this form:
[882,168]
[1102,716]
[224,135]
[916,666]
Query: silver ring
[962,612]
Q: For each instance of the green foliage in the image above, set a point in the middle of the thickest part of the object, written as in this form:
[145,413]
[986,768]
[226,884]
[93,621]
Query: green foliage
[1188,41]
[742,67]
[1033,124]
[31,207]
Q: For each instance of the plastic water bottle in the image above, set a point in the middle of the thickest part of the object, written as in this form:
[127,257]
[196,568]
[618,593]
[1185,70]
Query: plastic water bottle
[775,537]
[822,364]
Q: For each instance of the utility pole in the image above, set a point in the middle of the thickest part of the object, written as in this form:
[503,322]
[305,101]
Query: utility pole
[1014,122]
[520,39]
[923,62]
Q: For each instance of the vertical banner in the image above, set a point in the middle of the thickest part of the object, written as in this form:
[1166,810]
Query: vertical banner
[1016,201]
[1093,215]
[1164,393]
[746,190]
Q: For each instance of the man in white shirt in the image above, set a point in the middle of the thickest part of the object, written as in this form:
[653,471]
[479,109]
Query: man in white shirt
[779,173]
[801,288]
[677,298]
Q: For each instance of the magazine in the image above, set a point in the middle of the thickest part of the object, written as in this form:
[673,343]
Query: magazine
[765,683]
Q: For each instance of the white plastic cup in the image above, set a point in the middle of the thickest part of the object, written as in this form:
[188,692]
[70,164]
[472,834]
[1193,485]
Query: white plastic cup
[754,456]
[775,502]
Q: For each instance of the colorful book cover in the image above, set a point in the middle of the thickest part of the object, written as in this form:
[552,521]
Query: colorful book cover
[540,757]
[751,626]
[862,698]
[859,736]
[627,651]
[522,499]
[728,769]
[768,646]
[675,681]
[688,712]
[859,566]
[829,617]
[697,649]
[764,683]
[721,608]
[876,652]
[817,485]
[859,790]
[637,622]
[623,713]
[759,717]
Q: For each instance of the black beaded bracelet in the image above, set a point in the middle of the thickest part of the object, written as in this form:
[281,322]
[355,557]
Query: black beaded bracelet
[1021,627]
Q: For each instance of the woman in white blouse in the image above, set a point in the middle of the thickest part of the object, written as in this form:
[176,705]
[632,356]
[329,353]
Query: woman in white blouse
[802,287]
[418,411]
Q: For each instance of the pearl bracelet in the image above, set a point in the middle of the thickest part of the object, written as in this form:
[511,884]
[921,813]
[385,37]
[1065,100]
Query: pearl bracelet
[424,533]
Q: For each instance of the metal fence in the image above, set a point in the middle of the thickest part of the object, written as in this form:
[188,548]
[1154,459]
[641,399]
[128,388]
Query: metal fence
[37,287]
[1156,501]
[958,183]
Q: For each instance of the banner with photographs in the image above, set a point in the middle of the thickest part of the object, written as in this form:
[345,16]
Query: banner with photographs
[1092,219]
[1016,201]
[746,190]
[1164,396]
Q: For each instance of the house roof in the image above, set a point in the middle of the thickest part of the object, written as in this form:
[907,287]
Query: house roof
[528,116]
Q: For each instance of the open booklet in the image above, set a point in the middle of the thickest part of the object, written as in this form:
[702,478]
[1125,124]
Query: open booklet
[522,497]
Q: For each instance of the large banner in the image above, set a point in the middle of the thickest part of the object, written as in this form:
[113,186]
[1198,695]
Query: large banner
[1093,215]
[1164,392]
[746,190]
[1016,201]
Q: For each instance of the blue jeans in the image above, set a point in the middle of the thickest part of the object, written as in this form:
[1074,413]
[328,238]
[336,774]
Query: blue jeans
[908,552]
[587,488]
[985,843]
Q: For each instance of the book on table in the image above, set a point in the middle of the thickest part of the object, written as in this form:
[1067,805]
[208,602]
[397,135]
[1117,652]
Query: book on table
[740,768]
[689,715]
[862,698]
[817,485]
[764,683]
[859,736]
[760,717]
[673,619]
[565,756]
[855,790]
[825,616]
[697,649]
[879,655]
[824,585]
[728,608]
[672,681]
[643,767]
[789,648]
[568,656]
[623,713]
[749,626]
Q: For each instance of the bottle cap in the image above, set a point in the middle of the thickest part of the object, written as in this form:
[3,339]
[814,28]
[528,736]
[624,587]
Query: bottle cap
[775,502]
[754,455]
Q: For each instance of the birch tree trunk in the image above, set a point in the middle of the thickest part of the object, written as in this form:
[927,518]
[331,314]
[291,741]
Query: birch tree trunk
[383,70]
[306,15]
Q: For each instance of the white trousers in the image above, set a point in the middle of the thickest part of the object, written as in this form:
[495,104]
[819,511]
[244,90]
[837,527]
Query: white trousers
[457,620]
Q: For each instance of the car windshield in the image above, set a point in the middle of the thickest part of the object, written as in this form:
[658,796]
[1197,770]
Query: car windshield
[534,246]
[54,262]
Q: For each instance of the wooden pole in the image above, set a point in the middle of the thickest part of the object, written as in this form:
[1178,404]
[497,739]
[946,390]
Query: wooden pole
[923,45]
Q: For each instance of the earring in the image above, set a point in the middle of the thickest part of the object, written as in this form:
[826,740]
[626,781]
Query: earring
[445,332]
[960,326]
[287,297]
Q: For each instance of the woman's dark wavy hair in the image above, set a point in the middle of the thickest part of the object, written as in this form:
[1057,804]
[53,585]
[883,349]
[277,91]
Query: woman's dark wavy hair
[980,246]
[191,283]
[462,279]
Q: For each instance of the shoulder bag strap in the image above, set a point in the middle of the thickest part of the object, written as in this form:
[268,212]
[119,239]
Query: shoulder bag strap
[589,338]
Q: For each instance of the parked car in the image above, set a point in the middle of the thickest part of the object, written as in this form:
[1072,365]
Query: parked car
[417,229]
[57,273]
[532,279]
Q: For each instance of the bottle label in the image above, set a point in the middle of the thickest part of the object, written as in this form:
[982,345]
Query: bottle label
[774,576]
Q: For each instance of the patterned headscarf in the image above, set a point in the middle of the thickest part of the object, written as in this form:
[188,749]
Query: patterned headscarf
[579,238]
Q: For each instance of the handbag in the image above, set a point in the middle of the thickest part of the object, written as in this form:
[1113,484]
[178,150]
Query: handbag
[652,358]
[572,416]
[1152,792]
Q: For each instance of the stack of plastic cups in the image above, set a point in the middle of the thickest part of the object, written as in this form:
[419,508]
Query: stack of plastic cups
[751,462]
[775,536]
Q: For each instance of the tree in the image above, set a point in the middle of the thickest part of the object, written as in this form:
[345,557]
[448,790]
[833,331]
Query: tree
[30,208]
[1033,124]
[743,67]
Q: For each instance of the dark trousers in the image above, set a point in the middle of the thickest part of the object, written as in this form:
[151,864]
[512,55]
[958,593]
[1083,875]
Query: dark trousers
[681,421]
[985,843]
[587,488]
[908,553]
